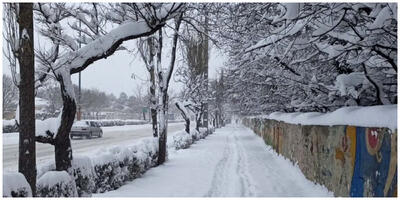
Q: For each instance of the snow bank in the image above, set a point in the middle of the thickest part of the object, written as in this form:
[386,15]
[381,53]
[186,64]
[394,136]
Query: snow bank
[56,184]
[15,185]
[10,138]
[10,122]
[371,116]
[10,126]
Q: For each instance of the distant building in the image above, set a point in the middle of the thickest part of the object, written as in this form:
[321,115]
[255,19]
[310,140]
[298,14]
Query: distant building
[41,110]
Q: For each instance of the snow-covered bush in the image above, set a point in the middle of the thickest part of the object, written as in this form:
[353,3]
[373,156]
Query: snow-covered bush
[182,140]
[201,134]
[15,185]
[45,167]
[116,165]
[119,122]
[56,184]
[83,172]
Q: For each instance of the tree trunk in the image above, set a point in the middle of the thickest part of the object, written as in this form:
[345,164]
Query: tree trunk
[153,102]
[163,85]
[62,146]
[185,117]
[162,152]
[153,99]
[198,120]
[27,153]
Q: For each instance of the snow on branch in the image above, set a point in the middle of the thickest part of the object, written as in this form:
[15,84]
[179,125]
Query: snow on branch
[106,45]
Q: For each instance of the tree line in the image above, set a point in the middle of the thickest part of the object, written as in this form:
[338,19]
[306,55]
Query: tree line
[308,56]
[78,37]
[281,57]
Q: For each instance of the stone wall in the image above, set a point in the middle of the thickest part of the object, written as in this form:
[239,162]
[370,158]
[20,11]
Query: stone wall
[348,160]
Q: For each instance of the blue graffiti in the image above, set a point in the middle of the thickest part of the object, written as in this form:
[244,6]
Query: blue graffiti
[373,168]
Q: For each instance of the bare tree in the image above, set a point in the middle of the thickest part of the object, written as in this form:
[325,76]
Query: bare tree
[20,46]
[151,18]
[163,78]
[146,51]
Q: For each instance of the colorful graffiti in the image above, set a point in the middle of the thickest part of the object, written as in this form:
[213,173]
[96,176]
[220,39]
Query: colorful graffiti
[348,160]
[375,163]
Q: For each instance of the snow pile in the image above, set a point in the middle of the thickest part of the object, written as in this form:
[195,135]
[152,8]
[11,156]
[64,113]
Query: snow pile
[15,185]
[371,116]
[56,184]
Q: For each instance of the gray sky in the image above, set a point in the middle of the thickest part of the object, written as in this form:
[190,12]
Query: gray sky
[114,74]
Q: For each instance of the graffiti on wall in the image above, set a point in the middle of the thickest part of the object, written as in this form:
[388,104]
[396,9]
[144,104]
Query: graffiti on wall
[375,168]
[350,161]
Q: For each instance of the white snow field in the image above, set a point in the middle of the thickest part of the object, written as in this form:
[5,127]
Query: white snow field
[112,136]
[232,162]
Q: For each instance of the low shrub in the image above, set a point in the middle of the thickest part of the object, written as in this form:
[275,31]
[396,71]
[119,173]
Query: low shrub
[15,185]
[56,184]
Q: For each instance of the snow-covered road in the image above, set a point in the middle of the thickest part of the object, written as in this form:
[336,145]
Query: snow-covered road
[232,162]
[112,136]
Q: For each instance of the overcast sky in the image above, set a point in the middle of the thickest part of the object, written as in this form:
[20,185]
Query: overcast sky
[124,72]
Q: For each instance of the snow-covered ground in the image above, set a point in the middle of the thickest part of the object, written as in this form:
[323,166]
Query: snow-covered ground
[112,136]
[232,162]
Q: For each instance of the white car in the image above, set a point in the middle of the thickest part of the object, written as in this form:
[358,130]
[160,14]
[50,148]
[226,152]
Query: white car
[86,129]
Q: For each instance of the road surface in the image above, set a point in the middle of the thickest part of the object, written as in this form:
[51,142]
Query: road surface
[112,136]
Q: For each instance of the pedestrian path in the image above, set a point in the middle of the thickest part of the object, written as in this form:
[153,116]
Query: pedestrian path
[232,162]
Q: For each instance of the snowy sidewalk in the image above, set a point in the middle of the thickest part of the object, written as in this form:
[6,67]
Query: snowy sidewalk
[232,162]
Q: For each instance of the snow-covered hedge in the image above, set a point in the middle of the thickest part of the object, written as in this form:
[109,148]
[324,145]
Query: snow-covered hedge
[182,140]
[83,173]
[10,126]
[56,184]
[110,168]
[15,185]
[116,165]
[119,122]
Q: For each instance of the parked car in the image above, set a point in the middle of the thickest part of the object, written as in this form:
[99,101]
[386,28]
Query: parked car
[86,129]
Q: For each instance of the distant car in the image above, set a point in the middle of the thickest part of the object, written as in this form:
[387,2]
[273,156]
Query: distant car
[86,129]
